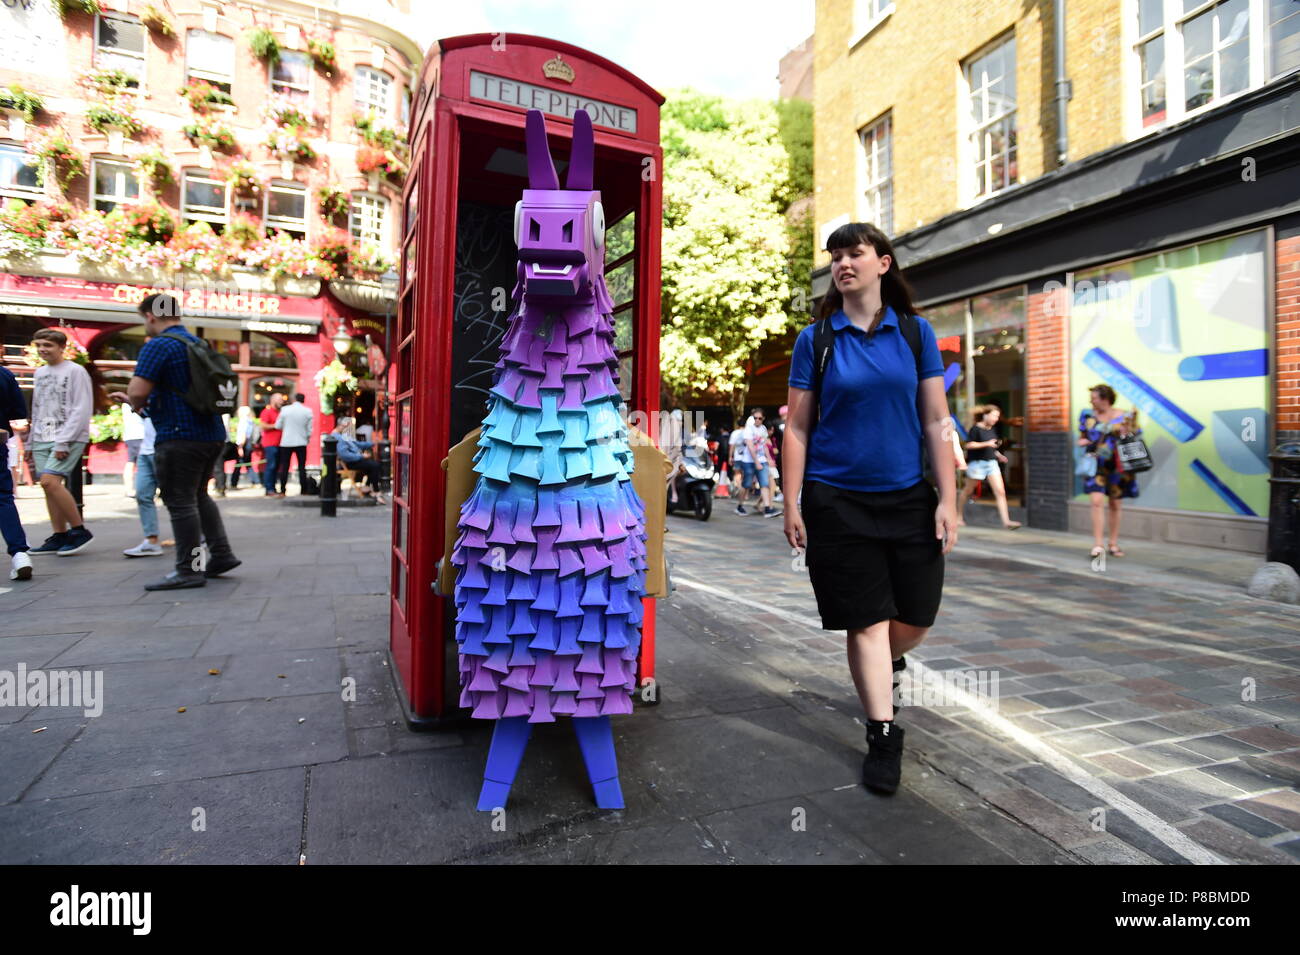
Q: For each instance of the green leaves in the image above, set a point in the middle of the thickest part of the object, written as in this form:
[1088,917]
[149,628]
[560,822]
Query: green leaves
[725,286]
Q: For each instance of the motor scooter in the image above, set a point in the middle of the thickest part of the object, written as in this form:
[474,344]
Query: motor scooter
[691,488]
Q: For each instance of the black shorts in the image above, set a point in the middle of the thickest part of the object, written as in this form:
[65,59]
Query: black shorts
[873,556]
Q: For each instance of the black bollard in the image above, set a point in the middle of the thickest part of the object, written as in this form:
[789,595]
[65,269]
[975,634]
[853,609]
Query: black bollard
[329,476]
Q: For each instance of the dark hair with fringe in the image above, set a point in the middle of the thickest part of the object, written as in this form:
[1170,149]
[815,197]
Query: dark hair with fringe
[894,290]
[1105,392]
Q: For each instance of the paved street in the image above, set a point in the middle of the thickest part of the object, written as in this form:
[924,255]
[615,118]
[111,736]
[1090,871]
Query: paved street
[1120,734]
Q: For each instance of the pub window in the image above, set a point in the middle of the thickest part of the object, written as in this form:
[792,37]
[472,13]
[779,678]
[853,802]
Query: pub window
[119,45]
[203,199]
[372,89]
[210,57]
[369,218]
[115,182]
[286,208]
[291,76]
[18,174]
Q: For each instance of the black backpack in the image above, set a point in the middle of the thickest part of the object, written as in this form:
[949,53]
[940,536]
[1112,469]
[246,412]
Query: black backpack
[214,387]
[824,348]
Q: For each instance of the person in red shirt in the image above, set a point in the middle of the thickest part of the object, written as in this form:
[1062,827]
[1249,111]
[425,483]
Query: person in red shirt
[269,419]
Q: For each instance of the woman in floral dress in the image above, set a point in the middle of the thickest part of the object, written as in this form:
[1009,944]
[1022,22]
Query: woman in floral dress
[1100,428]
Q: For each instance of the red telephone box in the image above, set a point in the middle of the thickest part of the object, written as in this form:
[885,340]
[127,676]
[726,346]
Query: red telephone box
[468,167]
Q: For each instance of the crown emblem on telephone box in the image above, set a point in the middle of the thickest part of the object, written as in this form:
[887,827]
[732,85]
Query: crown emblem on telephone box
[557,69]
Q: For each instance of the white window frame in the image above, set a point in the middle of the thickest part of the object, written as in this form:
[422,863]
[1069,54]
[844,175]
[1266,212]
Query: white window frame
[304,90]
[385,217]
[1272,69]
[287,225]
[210,76]
[876,173]
[867,15]
[1259,52]
[142,56]
[119,197]
[16,191]
[202,216]
[982,127]
[373,79]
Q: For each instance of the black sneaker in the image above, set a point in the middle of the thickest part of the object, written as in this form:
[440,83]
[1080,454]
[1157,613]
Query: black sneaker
[740,509]
[174,581]
[51,545]
[75,541]
[883,766]
[770,512]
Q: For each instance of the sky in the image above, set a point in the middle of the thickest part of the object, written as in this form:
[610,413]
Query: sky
[724,47]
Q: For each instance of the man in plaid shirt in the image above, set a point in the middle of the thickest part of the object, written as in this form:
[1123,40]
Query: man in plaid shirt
[187,447]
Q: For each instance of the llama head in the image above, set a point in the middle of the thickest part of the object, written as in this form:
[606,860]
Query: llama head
[560,232]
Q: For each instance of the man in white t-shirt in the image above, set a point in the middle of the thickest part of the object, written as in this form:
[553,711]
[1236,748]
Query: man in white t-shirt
[758,468]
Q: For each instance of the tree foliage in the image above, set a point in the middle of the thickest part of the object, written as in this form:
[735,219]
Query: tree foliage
[726,288]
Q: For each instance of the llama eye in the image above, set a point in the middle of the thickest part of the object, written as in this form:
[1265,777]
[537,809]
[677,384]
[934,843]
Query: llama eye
[519,211]
[598,224]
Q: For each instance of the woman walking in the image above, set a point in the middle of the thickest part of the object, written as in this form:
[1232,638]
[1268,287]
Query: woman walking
[874,529]
[1100,428]
[982,460]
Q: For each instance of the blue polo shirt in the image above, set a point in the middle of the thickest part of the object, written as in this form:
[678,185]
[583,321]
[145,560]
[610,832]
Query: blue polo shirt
[166,362]
[869,436]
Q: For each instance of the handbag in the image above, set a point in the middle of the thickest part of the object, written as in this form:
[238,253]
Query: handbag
[1133,454]
[1086,465]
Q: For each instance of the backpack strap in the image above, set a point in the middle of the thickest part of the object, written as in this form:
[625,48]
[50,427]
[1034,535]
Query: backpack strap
[911,330]
[823,348]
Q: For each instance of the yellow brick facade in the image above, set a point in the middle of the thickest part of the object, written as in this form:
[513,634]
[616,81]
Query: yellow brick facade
[911,64]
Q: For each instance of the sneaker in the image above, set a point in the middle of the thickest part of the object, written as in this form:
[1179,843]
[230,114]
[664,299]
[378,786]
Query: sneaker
[740,509]
[883,766]
[51,545]
[21,568]
[146,548]
[174,581]
[76,541]
[770,512]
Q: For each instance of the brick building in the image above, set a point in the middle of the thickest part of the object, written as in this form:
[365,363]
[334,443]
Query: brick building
[270,133]
[1068,217]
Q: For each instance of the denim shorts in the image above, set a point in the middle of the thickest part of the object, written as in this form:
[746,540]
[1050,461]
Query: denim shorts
[753,476]
[980,470]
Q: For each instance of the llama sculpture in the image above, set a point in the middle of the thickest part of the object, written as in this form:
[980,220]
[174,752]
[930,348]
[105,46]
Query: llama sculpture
[550,557]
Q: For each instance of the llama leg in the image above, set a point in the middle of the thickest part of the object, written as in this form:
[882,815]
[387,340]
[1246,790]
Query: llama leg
[509,740]
[596,738]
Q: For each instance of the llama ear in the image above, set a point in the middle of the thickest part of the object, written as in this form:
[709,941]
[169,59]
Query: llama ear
[541,171]
[583,152]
